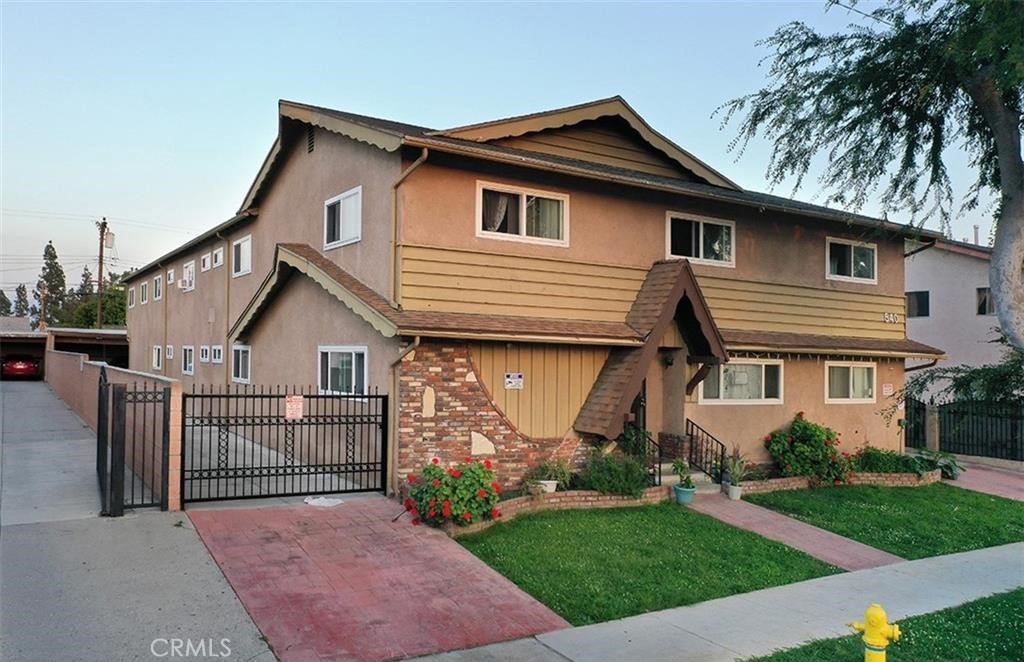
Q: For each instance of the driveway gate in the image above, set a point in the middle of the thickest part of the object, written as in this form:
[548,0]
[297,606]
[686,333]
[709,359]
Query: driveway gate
[132,427]
[256,441]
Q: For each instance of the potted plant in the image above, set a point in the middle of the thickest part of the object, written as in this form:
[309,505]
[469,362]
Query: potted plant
[736,465]
[685,489]
[551,475]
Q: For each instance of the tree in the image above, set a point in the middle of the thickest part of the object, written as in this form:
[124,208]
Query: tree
[5,305]
[49,294]
[883,102]
[21,308]
[997,382]
[83,313]
[85,288]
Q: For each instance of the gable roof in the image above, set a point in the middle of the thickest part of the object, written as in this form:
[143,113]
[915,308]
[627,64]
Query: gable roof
[390,321]
[669,292]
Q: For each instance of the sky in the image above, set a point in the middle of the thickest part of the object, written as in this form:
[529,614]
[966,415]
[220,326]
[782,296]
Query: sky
[158,116]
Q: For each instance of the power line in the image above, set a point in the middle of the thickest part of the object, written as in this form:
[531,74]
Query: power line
[50,215]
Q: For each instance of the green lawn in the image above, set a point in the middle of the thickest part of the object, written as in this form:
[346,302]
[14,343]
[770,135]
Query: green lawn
[985,630]
[601,564]
[912,522]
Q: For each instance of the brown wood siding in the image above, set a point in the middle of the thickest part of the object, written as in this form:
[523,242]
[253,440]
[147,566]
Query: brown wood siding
[556,382]
[598,142]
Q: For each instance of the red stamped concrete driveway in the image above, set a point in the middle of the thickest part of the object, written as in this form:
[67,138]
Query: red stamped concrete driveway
[991,480]
[345,583]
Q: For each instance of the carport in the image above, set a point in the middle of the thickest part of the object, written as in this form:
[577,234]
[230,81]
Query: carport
[18,338]
[107,345]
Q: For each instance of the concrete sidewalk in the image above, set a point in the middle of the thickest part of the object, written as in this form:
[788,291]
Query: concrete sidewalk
[760,622]
[826,546]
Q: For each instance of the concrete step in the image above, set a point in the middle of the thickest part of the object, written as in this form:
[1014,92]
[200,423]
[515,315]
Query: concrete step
[700,480]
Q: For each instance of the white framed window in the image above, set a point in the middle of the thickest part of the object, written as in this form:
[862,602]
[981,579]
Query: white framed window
[204,353]
[218,257]
[188,360]
[986,305]
[170,352]
[241,256]
[520,214]
[217,354]
[853,261]
[158,357]
[700,239]
[158,288]
[343,218]
[144,293]
[241,361]
[849,381]
[131,297]
[188,276]
[342,369]
[205,262]
[743,382]
[170,278]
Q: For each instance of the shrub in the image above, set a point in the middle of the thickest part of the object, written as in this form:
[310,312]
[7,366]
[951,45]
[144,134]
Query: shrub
[808,449]
[876,460]
[633,441]
[551,470]
[463,494]
[945,462]
[614,474]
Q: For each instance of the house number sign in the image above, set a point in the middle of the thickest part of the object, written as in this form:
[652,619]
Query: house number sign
[513,381]
[891,318]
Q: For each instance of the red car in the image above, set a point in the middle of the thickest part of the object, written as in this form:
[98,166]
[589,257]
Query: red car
[18,365]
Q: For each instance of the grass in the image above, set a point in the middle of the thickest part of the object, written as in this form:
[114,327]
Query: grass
[597,565]
[912,522]
[986,630]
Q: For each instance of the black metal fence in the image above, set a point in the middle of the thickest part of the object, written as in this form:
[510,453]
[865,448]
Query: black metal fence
[132,427]
[990,429]
[707,453]
[247,441]
[914,415]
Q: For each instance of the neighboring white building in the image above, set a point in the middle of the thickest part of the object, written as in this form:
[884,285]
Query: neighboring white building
[949,305]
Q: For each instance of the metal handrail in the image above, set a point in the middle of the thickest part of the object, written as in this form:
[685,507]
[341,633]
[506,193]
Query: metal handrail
[707,454]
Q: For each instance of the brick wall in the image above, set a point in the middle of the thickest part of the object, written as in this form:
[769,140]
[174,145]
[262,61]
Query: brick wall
[673,446]
[444,411]
[568,500]
[802,483]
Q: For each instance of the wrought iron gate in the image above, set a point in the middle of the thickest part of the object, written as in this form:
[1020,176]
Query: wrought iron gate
[132,426]
[255,441]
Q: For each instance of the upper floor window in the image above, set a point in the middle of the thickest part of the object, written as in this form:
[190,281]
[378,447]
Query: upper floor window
[158,288]
[131,297]
[204,353]
[188,276]
[986,306]
[743,382]
[241,256]
[849,382]
[917,304]
[505,212]
[240,363]
[343,218]
[217,354]
[170,278]
[342,370]
[158,357]
[144,293]
[205,262]
[170,351]
[700,239]
[850,260]
[188,360]
[218,257]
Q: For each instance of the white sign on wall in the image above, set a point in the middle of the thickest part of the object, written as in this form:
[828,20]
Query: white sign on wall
[888,390]
[513,381]
[293,405]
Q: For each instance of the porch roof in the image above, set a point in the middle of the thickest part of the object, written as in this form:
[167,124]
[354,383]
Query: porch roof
[806,343]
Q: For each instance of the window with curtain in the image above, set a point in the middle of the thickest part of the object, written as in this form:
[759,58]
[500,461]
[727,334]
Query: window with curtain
[750,382]
[342,370]
[850,381]
[700,239]
[985,304]
[524,214]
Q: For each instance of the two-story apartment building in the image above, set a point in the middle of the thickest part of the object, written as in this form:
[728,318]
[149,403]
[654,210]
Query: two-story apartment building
[516,285]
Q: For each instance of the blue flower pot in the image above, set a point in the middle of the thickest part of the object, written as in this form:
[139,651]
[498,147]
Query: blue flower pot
[684,495]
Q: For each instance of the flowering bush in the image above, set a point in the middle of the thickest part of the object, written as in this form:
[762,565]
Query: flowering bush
[463,494]
[809,449]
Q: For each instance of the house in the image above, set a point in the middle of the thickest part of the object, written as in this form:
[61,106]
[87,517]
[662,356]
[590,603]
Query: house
[949,304]
[522,286]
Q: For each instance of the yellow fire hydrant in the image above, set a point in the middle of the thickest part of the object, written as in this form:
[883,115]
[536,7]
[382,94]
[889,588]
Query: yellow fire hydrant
[878,632]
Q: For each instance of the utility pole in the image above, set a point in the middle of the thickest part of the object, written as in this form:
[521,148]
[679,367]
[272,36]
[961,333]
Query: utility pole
[99,279]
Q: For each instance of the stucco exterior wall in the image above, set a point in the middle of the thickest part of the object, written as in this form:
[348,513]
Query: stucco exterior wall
[953,324]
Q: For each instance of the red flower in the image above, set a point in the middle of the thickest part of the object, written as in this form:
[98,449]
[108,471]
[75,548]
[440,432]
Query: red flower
[411,478]
[433,500]
[467,516]
[436,482]
[446,508]
[837,482]
[495,513]
[496,487]
[482,493]
[454,472]
[799,414]
[467,459]
[431,512]
[488,464]
[436,461]
[416,521]
[409,504]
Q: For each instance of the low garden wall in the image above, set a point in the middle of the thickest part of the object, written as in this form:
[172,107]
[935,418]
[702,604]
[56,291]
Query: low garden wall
[802,482]
[568,500]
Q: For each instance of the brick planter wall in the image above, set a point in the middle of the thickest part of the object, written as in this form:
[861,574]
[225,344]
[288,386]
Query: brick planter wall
[569,500]
[673,446]
[444,411]
[802,482]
